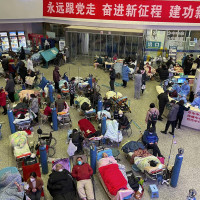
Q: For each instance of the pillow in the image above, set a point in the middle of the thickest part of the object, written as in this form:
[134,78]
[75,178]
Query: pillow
[108,151]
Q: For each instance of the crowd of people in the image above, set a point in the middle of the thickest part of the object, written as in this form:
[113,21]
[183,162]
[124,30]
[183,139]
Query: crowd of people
[61,183]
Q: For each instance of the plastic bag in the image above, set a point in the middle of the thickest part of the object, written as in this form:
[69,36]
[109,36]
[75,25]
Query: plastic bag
[71,148]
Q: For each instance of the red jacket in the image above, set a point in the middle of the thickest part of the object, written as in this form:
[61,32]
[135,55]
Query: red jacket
[2,98]
[82,172]
[47,111]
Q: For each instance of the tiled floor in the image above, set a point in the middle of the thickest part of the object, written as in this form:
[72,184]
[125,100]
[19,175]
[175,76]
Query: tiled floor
[185,138]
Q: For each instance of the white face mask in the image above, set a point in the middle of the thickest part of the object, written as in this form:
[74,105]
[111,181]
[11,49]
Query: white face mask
[32,179]
[60,170]
[120,115]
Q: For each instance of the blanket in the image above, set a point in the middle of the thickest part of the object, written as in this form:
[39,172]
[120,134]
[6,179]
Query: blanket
[8,189]
[113,178]
[103,112]
[143,162]
[112,131]
[132,146]
[30,80]
[18,139]
[106,161]
[112,94]
[86,126]
[81,100]
[22,152]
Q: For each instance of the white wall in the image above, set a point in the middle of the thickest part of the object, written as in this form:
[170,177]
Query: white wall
[21,9]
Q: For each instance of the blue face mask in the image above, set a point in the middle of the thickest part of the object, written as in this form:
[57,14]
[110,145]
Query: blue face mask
[79,162]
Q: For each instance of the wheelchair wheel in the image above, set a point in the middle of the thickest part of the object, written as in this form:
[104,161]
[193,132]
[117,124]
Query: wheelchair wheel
[53,142]
[51,152]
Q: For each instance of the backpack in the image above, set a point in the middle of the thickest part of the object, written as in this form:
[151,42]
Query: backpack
[154,116]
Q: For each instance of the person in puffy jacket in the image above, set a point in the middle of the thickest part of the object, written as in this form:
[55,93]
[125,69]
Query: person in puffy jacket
[82,173]
[150,139]
[171,118]
[5,63]
[61,184]
[122,120]
[3,100]
[125,72]
[56,78]
[152,116]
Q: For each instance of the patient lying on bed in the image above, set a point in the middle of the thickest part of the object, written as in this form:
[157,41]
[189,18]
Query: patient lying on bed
[143,160]
[111,175]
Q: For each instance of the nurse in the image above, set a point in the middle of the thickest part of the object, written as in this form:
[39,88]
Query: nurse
[185,88]
[176,87]
[182,97]
[196,101]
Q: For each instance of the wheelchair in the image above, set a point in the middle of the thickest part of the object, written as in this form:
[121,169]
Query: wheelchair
[49,140]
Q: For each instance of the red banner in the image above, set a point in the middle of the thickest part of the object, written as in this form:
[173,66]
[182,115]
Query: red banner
[127,10]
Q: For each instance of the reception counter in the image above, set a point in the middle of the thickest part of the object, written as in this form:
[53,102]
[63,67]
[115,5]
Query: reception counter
[191,118]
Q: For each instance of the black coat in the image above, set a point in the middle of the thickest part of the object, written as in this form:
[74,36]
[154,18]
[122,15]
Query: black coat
[61,183]
[112,74]
[5,63]
[164,74]
[163,99]
[77,138]
[123,121]
[22,69]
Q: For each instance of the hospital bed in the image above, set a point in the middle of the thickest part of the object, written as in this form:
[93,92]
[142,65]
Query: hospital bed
[20,146]
[140,159]
[117,179]
[64,117]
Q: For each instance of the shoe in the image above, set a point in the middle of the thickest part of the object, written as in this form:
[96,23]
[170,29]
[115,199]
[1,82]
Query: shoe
[163,132]
[5,113]
[171,133]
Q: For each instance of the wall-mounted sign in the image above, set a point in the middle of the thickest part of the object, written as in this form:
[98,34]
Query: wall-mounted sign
[153,45]
[141,10]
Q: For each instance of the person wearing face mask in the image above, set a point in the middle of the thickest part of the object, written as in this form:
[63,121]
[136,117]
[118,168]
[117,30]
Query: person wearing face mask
[171,118]
[150,139]
[185,88]
[122,120]
[82,173]
[61,184]
[35,186]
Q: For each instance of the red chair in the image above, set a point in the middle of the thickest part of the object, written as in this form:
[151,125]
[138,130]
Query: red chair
[27,169]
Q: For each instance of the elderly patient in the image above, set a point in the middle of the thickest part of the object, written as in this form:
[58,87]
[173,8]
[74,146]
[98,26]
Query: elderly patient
[61,185]
[106,160]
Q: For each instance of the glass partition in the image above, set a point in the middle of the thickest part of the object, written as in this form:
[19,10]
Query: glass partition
[98,44]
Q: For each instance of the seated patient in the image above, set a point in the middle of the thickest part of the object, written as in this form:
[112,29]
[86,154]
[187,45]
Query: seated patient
[61,185]
[35,186]
[82,173]
[60,104]
[123,120]
[150,139]
[77,140]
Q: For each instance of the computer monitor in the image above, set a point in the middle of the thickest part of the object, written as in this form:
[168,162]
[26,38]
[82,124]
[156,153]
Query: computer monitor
[181,80]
